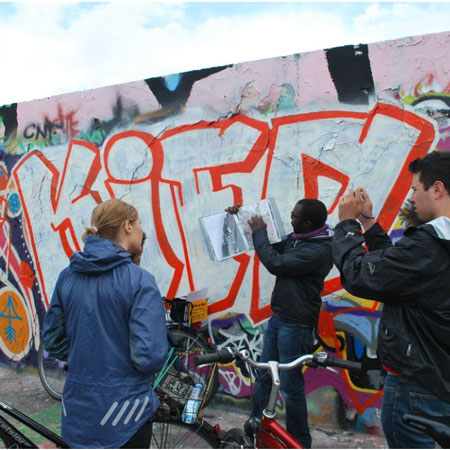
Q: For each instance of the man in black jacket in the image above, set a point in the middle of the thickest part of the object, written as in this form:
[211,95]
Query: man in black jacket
[300,263]
[411,278]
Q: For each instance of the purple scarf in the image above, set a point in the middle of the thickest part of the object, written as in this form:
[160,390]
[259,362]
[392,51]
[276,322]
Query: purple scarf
[322,231]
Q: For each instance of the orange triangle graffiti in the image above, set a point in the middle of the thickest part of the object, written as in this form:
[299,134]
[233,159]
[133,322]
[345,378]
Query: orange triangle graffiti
[312,169]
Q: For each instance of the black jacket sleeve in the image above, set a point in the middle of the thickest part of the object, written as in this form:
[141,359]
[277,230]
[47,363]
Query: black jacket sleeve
[389,275]
[289,263]
[376,238]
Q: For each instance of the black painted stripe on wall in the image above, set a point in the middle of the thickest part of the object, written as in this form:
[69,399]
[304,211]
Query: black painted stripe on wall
[8,114]
[350,70]
[177,98]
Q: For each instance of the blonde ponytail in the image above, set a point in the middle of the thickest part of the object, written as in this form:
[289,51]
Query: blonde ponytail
[89,231]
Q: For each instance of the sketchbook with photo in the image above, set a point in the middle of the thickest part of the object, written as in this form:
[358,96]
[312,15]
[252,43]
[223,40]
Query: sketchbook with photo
[228,235]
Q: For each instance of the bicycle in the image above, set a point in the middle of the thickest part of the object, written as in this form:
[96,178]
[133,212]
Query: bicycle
[191,339]
[172,385]
[168,429]
[187,341]
[268,433]
[166,434]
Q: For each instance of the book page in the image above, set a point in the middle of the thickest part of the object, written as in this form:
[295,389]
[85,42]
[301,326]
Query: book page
[262,208]
[228,235]
[223,235]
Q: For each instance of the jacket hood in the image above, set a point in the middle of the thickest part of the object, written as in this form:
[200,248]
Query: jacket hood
[440,229]
[99,255]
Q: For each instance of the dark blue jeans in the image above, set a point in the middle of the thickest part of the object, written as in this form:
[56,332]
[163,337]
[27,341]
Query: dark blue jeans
[285,342]
[403,396]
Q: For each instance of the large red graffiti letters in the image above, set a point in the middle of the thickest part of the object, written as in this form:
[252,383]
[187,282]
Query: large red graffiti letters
[58,199]
[173,186]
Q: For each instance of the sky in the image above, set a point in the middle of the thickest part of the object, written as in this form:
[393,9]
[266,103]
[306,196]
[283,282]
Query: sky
[59,47]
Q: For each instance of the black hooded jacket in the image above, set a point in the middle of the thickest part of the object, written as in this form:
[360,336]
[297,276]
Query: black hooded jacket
[412,279]
[300,267]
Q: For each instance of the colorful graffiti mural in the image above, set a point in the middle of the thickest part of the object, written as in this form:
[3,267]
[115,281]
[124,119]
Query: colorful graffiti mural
[188,145]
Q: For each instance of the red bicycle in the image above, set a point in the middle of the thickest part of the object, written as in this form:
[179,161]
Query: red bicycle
[268,433]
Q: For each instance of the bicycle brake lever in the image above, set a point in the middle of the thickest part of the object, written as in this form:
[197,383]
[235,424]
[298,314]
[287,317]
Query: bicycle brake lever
[320,360]
[315,365]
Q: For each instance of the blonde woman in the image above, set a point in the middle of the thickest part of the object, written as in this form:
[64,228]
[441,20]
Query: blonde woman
[106,319]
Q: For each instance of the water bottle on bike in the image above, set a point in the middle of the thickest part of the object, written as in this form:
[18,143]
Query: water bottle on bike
[192,406]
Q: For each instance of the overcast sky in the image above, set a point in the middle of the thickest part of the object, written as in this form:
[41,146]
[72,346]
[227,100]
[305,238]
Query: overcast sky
[60,47]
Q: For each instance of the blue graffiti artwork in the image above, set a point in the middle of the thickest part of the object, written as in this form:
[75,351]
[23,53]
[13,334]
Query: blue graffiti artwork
[14,203]
[10,313]
[172,81]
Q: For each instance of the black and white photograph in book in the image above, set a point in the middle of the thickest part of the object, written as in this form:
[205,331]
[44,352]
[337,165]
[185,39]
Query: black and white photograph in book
[229,235]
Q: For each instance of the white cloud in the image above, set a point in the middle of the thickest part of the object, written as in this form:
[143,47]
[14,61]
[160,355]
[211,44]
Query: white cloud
[54,48]
[389,21]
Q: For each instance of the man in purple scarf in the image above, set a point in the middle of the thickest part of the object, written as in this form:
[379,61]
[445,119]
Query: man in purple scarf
[300,263]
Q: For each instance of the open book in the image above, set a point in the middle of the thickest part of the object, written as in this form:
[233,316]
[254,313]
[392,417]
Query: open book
[228,235]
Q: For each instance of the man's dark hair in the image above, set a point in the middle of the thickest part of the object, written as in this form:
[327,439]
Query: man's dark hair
[314,211]
[434,166]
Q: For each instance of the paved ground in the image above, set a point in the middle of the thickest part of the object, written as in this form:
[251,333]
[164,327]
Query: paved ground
[22,389]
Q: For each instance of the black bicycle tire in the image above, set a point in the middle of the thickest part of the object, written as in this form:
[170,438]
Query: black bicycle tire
[185,436]
[206,348]
[233,436]
[53,392]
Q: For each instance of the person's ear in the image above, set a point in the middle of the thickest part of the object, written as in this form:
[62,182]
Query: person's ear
[439,189]
[127,226]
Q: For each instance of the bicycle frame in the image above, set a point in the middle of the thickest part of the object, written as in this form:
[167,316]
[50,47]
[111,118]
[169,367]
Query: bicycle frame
[270,434]
[273,435]
[6,428]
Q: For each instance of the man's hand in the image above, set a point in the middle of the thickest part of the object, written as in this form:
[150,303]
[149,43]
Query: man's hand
[257,223]
[233,209]
[366,212]
[351,205]
[366,217]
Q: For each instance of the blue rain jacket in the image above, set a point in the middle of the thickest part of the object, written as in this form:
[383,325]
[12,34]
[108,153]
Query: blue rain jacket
[106,318]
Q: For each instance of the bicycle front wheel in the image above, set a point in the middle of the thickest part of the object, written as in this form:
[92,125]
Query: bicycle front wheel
[182,435]
[52,373]
[190,344]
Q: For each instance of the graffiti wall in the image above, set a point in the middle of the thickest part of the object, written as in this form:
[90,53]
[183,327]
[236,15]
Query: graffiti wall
[188,145]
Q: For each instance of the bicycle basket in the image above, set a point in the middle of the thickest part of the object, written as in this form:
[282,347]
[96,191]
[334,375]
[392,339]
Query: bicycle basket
[179,309]
[173,387]
[183,311]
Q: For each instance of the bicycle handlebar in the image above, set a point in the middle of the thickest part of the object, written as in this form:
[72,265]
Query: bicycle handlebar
[224,356]
[436,427]
[343,363]
[228,355]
